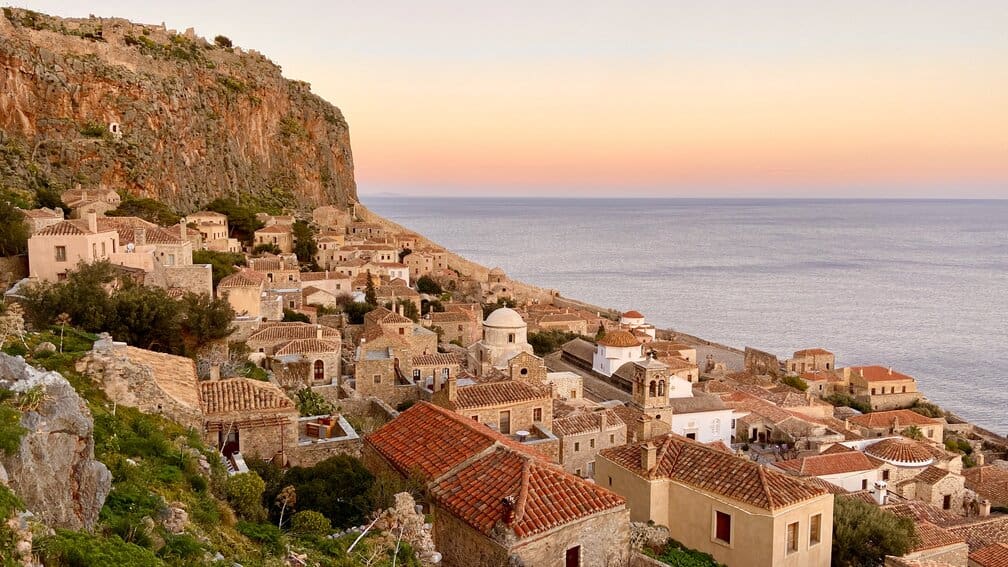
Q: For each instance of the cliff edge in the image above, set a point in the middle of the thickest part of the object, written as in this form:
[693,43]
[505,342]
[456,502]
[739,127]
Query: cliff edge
[161,114]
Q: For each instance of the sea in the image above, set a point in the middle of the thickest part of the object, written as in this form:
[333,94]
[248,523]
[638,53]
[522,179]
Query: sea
[917,285]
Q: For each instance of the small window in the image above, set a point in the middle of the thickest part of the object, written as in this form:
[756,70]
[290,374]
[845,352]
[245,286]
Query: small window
[864,484]
[475,418]
[930,433]
[591,443]
[511,337]
[722,527]
[537,414]
[947,502]
[416,373]
[61,253]
[792,537]
[815,529]
[377,378]
[610,481]
[873,391]
[577,446]
[577,472]
[402,330]
[885,474]
[612,438]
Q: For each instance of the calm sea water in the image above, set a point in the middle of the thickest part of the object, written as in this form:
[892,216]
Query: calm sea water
[921,286]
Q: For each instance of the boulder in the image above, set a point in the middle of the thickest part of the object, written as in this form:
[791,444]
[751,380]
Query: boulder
[54,471]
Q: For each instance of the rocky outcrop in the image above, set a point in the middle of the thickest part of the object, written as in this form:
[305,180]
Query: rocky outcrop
[54,471]
[194,120]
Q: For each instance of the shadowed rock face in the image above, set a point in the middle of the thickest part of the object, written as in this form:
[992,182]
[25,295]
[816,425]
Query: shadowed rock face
[54,471]
[196,121]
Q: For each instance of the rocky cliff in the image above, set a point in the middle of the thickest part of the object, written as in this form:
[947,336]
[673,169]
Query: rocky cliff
[54,471]
[160,114]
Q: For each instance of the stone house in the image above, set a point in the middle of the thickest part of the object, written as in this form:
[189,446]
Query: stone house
[250,417]
[278,235]
[989,482]
[505,334]
[810,360]
[825,383]
[508,406]
[456,326]
[582,435]
[432,371]
[366,230]
[57,249]
[896,422]
[850,470]
[329,216]
[396,292]
[243,291]
[739,512]
[38,219]
[315,297]
[320,358]
[902,459]
[419,263]
[881,388]
[396,271]
[83,201]
[332,282]
[213,228]
[567,322]
[496,502]
[938,487]
[380,369]
[280,272]
[271,336]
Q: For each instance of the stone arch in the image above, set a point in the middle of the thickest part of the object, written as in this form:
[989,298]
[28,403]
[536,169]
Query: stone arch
[319,371]
[652,388]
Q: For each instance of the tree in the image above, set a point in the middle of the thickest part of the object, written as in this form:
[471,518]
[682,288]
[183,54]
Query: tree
[337,487]
[266,248]
[370,295]
[310,522]
[286,499]
[863,534]
[355,312]
[545,342]
[600,332]
[426,284]
[148,209]
[914,432]
[244,493]
[222,41]
[242,220]
[205,319]
[291,316]
[14,231]
[310,403]
[305,246]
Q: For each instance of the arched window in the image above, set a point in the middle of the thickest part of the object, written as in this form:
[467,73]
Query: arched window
[715,426]
[661,387]
[319,371]
[651,388]
[511,337]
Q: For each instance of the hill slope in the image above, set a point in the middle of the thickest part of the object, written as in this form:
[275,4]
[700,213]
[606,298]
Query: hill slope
[198,119]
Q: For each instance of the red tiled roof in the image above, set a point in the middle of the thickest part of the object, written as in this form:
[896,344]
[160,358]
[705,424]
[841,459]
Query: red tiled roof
[830,463]
[889,418]
[900,449]
[498,393]
[274,229]
[436,359]
[585,422]
[75,227]
[314,345]
[450,317]
[710,470]
[994,555]
[988,481]
[931,475]
[811,351]
[982,531]
[619,338]
[931,536]
[243,278]
[383,316]
[290,331]
[879,373]
[544,495]
[242,394]
[633,315]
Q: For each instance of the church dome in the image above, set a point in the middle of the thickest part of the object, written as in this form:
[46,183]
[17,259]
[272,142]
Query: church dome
[497,272]
[504,317]
[619,339]
[901,451]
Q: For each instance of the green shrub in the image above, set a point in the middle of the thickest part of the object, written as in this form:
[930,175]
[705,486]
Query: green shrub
[426,284]
[796,382]
[150,210]
[678,555]
[222,264]
[92,130]
[181,547]
[268,535]
[927,409]
[78,549]
[311,402]
[244,493]
[10,429]
[545,342]
[291,316]
[847,400]
[14,231]
[310,522]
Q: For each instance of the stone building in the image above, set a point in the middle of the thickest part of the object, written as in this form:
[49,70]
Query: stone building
[213,228]
[739,512]
[271,336]
[582,435]
[38,219]
[810,360]
[432,371]
[243,291]
[320,358]
[249,417]
[896,422]
[279,272]
[57,249]
[989,482]
[496,502]
[882,388]
[615,349]
[849,470]
[83,201]
[456,327]
[505,334]
[277,235]
[507,406]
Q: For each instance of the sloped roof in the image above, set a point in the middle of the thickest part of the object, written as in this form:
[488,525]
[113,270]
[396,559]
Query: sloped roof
[900,450]
[313,345]
[633,315]
[980,532]
[280,331]
[498,393]
[879,374]
[586,422]
[704,468]
[544,496]
[811,351]
[242,278]
[242,394]
[993,555]
[889,418]
[435,359]
[988,481]
[73,227]
[619,338]
[828,464]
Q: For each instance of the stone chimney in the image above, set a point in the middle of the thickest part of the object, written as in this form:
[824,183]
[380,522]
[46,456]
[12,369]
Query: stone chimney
[183,229]
[215,371]
[648,456]
[140,236]
[890,370]
[92,221]
[318,331]
[602,421]
[881,492]
[507,515]
[985,507]
[452,388]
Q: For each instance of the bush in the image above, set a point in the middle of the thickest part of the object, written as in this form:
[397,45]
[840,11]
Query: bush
[244,493]
[338,488]
[864,534]
[426,284]
[545,342]
[796,382]
[268,535]
[222,41]
[310,522]
[13,230]
[294,316]
[92,130]
[927,409]
[148,209]
[80,549]
[181,547]
[310,402]
[847,400]
[305,245]
[678,555]
[355,312]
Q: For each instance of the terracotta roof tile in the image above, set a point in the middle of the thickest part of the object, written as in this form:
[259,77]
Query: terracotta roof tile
[299,346]
[243,278]
[932,536]
[288,331]
[828,464]
[994,555]
[707,469]
[498,393]
[889,418]
[811,351]
[900,450]
[242,394]
[436,359]
[544,495]
[983,531]
[879,373]
[450,317]
[931,475]
[73,227]
[586,422]
[633,315]
[619,338]
[990,482]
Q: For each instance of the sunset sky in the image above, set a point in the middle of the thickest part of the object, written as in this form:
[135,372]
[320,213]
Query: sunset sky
[716,98]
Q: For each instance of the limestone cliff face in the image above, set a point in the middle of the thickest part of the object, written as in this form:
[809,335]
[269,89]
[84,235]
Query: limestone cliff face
[54,471]
[197,120]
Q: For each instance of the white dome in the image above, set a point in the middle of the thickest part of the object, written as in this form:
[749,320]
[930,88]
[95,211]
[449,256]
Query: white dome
[504,318]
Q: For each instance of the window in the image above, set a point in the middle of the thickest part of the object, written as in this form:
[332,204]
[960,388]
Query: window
[572,557]
[577,472]
[610,481]
[612,438]
[873,391]
[947,502]
[416,374]
[815,527]
[171,258]
[94,250]
[523,371]
[885,474]
[722,527]
[537,414]
[573,394]
[864,484]
[377,378]
[61,253]
[402,330]
[445,373]
[319,371]
[504,422]
[792,537]
[904,389]
[577,446]
[591,469]
[475,418]
[103,249]
[930,433]
[511,337]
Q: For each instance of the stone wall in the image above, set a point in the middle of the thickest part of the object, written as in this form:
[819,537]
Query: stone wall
[12,269]
[759,362]
[604,540]
[462,546]
[307,455]
[195,278]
